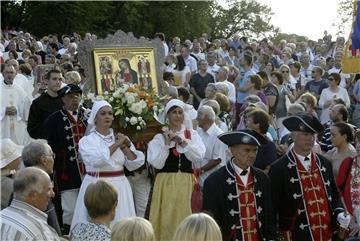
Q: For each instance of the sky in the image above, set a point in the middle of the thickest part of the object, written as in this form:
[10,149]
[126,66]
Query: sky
[305,17]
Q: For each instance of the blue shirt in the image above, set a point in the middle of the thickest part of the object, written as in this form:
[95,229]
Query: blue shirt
[240,96]
[356,93]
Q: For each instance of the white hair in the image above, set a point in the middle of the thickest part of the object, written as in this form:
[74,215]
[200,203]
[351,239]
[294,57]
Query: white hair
[207,112]
[73,45]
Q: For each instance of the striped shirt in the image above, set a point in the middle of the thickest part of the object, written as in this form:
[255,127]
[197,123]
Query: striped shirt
[21,221]
[325,142]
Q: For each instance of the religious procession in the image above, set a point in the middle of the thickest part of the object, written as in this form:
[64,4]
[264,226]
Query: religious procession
[169,137]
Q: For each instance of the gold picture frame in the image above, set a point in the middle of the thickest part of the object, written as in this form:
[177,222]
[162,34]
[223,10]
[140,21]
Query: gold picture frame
[41,71]
[116,66]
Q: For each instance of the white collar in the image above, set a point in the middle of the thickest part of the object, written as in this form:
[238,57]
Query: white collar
[243,178]
[211,129]
[302,158]
[306,164]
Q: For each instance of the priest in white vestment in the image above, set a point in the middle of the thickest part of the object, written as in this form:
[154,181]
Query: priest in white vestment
[15,105]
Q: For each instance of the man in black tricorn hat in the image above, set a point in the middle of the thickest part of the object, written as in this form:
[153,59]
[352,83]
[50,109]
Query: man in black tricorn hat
[304,193]
[238,195]
[63,129]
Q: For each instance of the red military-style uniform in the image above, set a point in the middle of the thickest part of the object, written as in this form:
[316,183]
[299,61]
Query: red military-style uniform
[78,130]
[243,213]
[248,209]
[63,134]
[306,202]
[316,201]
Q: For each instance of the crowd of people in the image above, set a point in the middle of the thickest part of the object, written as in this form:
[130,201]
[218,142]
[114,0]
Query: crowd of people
[268,131]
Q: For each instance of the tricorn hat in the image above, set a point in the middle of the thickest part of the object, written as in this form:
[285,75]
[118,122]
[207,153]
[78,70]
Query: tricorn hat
[246,136]
[68,89]
[303,122]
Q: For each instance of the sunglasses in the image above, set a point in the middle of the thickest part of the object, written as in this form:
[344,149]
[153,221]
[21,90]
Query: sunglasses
[284,72]
[331,79]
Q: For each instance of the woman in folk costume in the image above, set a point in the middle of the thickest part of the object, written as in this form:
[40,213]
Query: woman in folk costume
[105,154]
[173,153]
[348,182]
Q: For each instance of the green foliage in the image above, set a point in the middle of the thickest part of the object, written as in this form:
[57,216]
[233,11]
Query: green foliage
[185,19]
[245,17]
[288,37]
[345,15]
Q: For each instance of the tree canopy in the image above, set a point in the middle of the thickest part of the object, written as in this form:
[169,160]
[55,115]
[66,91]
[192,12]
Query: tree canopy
[179,18]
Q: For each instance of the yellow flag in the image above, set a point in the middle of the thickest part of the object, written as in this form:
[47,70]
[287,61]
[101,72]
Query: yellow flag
[351,57]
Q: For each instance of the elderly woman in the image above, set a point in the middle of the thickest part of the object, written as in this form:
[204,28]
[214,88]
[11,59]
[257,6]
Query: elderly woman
[100,200]
[341,137]
[105,154]
[210,92]
[72,77]
[198,227]
[133,229]
[10,163]
[173,153]
[348,182]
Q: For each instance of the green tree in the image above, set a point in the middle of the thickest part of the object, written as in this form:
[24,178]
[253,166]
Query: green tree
[288,37]
[178,18]
[12,13]
[345,15]
[183,19]
[244,17]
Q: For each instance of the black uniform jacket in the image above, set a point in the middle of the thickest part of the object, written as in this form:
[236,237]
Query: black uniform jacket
[58,132]
[287,195]
[221,200]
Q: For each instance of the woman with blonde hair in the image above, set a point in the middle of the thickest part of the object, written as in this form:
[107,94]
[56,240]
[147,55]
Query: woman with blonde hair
[72,77]
[198,227]
[310,103]
[133,229]
[210,92]
[100,200]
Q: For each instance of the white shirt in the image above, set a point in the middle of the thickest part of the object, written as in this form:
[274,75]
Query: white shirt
[94,151]
[199,56]
[244,178]
[215,149]
[62,51]
[21,221]
[158,151]
[306,164]
[327,95]
[191,62]
[166,49]
[180,78]
[232,91]
[213,70]
[169,68]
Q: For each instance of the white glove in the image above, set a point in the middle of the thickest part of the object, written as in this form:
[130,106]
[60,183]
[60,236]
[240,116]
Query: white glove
[343,219]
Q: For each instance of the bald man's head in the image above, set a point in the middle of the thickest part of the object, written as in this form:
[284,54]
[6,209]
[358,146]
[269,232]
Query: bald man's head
[33,186]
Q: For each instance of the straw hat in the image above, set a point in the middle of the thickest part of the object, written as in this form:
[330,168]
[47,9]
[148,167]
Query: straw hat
[9,151]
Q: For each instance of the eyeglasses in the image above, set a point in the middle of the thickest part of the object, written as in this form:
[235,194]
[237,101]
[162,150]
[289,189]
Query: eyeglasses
[284,71]
[331,79]
[53,155]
